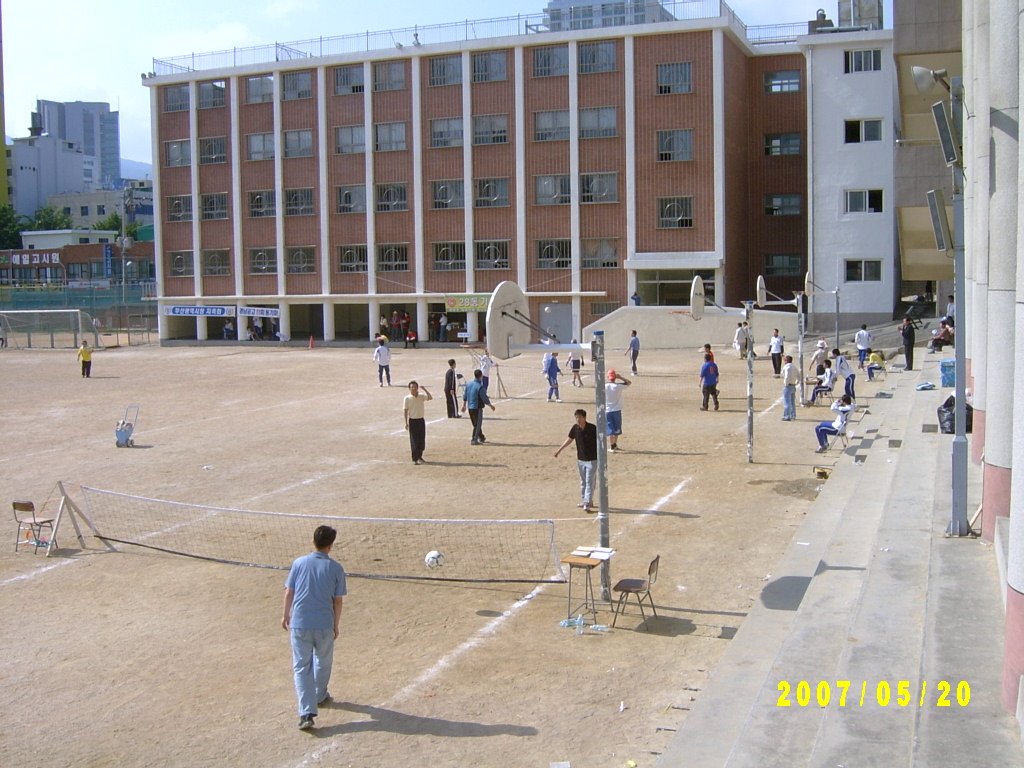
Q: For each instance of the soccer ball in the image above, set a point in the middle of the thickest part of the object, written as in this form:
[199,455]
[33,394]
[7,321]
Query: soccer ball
[434,559]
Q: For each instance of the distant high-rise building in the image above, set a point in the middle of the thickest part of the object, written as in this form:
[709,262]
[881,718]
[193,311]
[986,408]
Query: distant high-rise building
[5,190]
[41,166]
[89,124]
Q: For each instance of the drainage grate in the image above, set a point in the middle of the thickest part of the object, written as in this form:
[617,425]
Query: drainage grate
[895,443]
[929,428]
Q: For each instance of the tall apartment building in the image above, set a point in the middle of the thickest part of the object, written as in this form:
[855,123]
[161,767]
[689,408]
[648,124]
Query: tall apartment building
[93,127]
[582,157]
[41,166]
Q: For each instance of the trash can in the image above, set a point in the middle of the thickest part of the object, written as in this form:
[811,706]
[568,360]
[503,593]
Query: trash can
[947,369]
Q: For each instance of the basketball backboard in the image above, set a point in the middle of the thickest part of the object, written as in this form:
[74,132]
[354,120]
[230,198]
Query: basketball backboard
[697,298]
[507,321]
[762,291]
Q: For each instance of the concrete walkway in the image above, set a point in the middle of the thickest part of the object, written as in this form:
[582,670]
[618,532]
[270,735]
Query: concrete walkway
[871,592]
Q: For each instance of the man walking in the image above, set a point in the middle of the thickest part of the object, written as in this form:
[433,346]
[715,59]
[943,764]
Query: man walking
[313,594]
[585,436]
[775,349]
[474,401]
[709,382]
[633,350]
[415,424]
[790,378]
[382,356]
[451,390]
[85,357]
[843,368]
[613,407]
[907,332]
[863,341]
[552,371]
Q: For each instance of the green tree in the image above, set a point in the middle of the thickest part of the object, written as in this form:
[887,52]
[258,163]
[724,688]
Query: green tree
[11,227]
[111,223]
[49,217]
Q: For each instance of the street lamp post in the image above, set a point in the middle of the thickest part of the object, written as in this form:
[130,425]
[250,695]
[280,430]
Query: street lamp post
[950,141]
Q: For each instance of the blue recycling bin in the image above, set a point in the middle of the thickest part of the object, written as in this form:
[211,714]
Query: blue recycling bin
[947,368]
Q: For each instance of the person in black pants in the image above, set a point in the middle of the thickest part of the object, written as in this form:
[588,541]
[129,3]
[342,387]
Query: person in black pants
[907,332]
[451,395]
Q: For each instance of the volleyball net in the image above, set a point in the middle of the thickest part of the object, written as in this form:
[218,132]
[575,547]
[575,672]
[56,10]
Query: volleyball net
[473,550]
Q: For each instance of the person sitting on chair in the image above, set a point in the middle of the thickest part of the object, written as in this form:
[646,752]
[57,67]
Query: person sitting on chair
[827,381]
[875,363]
[842,407]
[943,337]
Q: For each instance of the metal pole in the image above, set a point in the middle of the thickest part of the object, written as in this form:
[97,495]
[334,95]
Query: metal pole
[750,380]
[799,301]
[837,305]
[958,524]
[597,353]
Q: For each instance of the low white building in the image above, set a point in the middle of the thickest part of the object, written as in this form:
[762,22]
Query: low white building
[41,166]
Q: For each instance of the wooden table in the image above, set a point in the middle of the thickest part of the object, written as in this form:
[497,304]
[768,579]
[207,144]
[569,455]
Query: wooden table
[587,564]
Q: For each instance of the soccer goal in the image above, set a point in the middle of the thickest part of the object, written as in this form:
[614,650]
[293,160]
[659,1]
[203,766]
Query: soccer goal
[48,329]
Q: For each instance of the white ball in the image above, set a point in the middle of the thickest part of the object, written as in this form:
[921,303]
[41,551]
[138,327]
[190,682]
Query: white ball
[434,559]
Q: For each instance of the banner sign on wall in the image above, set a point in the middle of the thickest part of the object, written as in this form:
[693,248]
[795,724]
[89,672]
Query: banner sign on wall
[466,302]
[186,310]
[258,312]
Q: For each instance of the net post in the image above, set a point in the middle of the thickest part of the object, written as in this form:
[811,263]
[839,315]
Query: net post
[597,356]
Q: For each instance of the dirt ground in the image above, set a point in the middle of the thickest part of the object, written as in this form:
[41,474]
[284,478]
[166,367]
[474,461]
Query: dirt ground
[143,658]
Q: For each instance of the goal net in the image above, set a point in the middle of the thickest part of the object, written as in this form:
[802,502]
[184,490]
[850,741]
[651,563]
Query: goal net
[48,328]
[473,550]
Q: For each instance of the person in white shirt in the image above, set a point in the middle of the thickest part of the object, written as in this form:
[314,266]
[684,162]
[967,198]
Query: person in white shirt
[818,358]
[790,378]
[739,340]
[863,341]
[843,368]
[382,356]
[486,363]
[828,380]
[842,407]
[775,349]
[613,407]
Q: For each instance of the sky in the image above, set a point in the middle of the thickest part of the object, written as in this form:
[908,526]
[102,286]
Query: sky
[67,50]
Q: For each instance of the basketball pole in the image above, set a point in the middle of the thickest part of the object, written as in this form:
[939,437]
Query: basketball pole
[604,534]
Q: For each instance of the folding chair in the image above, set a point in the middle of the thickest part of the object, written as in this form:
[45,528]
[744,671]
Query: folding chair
[639,587]
[843,436]
[28,521]
[821,394]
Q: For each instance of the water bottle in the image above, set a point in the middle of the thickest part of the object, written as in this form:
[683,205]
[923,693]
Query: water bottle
[600,627]
[580,626]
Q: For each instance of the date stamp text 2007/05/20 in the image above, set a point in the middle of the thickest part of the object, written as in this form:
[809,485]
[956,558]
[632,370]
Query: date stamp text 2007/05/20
[881,693]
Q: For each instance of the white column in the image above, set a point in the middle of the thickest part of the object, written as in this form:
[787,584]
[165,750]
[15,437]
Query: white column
[629,182]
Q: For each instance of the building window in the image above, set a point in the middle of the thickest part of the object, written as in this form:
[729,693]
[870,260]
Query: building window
[298,202]
[66,209]
[491,254]
[490,193]
[212,94]
[675,78]
[259,88]
[551,126]
[391,197]
[101,209]
[262,261]
[389,76]
[551,60]
[260,146]
[352,199]
[446,70]
[300,261]
[449,256]
[446,132]
[348,79]
[352,258]
[783,81]
[599,253]
[181,263]
[599,188]
[215,206]
[213,150]
[675,145]
[552,190]
[298,143]
[598,123]
[675,212]
[83,210]
[581,17]
[782,265]
[613,14]
[602,308]
[350,139]
[178,153]
[490,66]
[389,137]
[869,60]
[863,201]
[216,263]
[782,205]
[179,208]
[176,98]
[554,254]
[863,270]
[296,85]
[490,129]
[782,144]
[857,131]
[449,193]
[597,57]
[392,258]
[262,203]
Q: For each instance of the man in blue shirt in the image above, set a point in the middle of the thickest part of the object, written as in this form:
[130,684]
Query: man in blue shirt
[474,400]
[633,350]
[313,596]
[709,382]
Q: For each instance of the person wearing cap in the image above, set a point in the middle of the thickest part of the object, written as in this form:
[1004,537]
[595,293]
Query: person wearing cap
[818,359]
[613,407]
